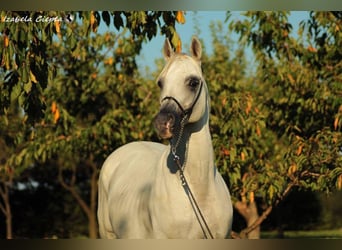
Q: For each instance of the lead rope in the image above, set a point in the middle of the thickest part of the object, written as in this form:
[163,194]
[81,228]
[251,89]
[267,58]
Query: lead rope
[200,218]
[192,199]
[186,115]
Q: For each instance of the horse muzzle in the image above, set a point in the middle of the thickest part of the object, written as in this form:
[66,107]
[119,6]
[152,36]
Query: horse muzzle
[167,120]
[164,122]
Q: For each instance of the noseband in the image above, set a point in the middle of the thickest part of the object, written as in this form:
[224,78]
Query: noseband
[185,116]
[186,113]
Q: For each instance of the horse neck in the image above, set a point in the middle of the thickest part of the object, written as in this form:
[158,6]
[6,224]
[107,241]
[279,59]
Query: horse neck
[200,156]
[196,151]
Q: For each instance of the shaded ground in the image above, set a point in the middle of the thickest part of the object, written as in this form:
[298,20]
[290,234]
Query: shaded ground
[317,234]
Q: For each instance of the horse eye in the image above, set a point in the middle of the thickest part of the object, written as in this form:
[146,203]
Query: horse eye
[160,83]
[193,83]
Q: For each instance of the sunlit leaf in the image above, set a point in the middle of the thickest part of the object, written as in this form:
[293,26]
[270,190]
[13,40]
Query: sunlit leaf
[180,17]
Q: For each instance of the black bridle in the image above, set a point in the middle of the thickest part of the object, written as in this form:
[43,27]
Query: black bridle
[185,116]
[186,112]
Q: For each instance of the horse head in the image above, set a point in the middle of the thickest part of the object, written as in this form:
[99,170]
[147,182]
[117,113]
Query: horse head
[182,98]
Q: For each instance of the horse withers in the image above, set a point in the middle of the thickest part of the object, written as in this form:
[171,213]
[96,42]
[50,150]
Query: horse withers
[152,190]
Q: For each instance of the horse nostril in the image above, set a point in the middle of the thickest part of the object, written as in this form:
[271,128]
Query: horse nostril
[170,119]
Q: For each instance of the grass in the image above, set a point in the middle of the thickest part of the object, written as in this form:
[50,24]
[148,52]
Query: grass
[316,234]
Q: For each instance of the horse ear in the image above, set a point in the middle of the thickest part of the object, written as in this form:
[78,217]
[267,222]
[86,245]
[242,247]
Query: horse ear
[196,48]
[167,50]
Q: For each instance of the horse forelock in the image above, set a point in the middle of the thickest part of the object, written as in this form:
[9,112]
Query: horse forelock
[181,65]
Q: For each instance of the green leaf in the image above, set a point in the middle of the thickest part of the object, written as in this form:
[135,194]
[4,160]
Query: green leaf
[28,87]
[232,154]
[16,92]
[118,22]
[106,17]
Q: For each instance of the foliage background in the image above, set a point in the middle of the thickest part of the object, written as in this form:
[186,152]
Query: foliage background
[70,95]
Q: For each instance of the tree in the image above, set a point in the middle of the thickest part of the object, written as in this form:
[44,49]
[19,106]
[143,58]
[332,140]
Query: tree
[6,181]
[277,128]
[235,123]
[73,86]
[12,136]
[287,132]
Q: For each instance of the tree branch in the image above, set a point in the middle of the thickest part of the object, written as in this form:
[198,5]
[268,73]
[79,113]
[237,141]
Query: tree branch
[307,173]
[2,194]
[4,197]
[93,183]
[243,234]
[71,188]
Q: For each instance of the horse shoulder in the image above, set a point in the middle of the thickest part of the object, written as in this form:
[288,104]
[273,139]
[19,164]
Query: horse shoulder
[125,159]
[126,180]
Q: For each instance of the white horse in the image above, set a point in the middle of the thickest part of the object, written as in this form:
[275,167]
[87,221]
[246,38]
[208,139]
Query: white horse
[150,190]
